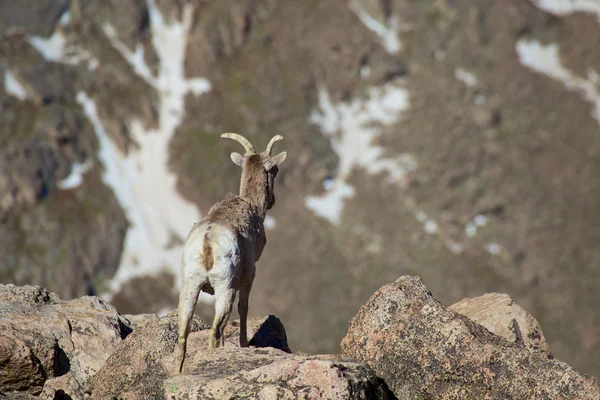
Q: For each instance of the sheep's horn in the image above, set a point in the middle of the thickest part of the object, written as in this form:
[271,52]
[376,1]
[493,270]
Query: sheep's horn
[276,138]
[242,140]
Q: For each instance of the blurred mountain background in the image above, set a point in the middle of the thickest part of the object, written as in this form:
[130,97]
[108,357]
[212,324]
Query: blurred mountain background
[456,140]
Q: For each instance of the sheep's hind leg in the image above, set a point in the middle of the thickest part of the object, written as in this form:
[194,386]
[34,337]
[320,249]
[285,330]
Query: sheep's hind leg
[224,298]
[243,311]
[187,303]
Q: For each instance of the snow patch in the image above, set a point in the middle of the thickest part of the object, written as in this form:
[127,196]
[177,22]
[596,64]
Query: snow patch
[352,129]
[430,226]
[545,59]
[75,177]
[161,213]
[270,222]
[365,71]
[566,7]
[330,205]
[455,247]
[52,48]
[470,230]
[56,48]
[465,77]
[479,99]
[422,217]
[141,180]
[493,248]
[134,58]
[478,221]
[388,33]
[65,19]
[13,86]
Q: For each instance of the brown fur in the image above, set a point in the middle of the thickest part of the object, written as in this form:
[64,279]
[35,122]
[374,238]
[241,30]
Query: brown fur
[243,216]
[232,211]
[253,186]
[207,255]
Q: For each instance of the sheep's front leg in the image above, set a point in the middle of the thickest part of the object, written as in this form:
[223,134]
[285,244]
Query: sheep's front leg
[243,310]
[224,298]
[187,303]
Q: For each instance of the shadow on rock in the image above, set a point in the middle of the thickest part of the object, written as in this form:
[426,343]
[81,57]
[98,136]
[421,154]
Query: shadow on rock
[271,333]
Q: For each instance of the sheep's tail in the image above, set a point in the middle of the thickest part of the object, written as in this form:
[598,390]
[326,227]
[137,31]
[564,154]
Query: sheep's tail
[207,251]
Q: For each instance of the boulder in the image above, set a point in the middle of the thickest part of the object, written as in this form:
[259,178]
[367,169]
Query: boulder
[64,387]
[47,341]
[267,373]
[499,314]
[137,367]
[139,320]
[142,367]
[19,396]
[424,350]
[462,123]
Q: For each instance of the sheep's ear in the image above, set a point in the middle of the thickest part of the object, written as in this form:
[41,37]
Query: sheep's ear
[275,160]
[238,159]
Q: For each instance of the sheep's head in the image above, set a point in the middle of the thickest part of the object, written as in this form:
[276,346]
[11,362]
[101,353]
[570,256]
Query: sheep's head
[258,169]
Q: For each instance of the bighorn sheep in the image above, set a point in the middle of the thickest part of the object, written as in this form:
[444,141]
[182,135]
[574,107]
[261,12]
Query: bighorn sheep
[220,251]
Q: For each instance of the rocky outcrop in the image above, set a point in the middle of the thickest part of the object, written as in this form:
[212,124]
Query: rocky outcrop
[137,368]
[403,344]
[51,344]
[142,367]
[424,350]
[255,373]
[499,314]
[83,348]
[469,124]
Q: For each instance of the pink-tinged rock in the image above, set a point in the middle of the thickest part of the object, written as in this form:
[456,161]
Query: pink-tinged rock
[267,373]
[142,367]
[18,370]
[424,350]
[499,314]
[44,338]
[62,386]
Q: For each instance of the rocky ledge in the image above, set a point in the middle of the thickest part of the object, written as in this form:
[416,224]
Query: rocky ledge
[402,344]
